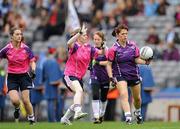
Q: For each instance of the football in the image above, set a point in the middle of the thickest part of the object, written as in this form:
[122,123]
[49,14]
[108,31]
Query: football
[146,52]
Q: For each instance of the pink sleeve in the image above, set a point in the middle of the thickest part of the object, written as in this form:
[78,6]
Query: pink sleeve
[137,53]
[111,52]
[33,59]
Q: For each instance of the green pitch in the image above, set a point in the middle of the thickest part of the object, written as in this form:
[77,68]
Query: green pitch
[89,125]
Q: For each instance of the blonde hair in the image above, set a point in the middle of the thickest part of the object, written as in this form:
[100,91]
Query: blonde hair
[100,34]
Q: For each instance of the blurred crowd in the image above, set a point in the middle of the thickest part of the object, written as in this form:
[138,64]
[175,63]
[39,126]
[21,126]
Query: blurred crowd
[45,18]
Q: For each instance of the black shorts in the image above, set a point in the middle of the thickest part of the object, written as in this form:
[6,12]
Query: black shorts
[19,81]
[68,80]
[95,82]
[129,82]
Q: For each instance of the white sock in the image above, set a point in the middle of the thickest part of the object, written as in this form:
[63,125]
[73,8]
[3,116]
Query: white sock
[128,115]
[96,108]
[31,117]
[138,111]
[103,108]
[69,113]
[76,107]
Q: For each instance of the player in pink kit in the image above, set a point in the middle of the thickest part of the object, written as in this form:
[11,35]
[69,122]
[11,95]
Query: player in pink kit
[80,55]
[20,59]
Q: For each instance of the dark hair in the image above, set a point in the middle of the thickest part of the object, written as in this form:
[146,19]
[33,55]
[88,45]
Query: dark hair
[100,34]
[118,29]
[13,29]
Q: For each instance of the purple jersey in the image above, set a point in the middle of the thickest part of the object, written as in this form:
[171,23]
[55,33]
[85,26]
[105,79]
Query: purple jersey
[123,60]
[99,72]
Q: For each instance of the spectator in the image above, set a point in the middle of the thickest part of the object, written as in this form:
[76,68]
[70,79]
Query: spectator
[56,22]
[97,5]
[4,7]
[130,9]
[177,16]
[84,9]
[171,35]
[161,10]
[98,21]
[150,8]
[171,52]
[153,37]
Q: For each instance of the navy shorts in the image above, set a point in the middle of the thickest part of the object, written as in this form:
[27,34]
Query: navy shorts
[95,82]
[129,82]
[68,80]
[19,82]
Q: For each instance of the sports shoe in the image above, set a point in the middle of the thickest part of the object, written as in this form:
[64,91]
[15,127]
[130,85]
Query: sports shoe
[32,122]
[101,119]
[97,121]
[16,115]
[65,121]
[128,121]
[79,115]
[139,117]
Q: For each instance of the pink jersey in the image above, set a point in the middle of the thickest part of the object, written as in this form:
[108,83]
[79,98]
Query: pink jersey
[79,59]
[18,59]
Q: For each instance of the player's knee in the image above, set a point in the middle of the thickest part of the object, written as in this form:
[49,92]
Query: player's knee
[16,102]
[26,101]
[137,100]
[124,96]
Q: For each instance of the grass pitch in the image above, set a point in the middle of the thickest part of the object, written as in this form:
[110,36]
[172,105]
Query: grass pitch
[90,125]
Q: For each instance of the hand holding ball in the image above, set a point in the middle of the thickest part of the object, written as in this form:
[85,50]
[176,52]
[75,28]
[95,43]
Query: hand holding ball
[146,53]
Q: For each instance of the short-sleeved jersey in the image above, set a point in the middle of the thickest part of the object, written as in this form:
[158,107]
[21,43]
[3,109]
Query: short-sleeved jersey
[123,60]
[79,59]
[99,72]
[18,59]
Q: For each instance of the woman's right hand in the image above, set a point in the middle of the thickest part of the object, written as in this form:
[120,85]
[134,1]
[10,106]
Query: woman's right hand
[83,29]
[148,61]
[112,83]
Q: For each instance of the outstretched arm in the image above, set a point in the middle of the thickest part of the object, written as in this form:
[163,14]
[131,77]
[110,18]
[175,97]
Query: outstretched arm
[71,41]
[141,61]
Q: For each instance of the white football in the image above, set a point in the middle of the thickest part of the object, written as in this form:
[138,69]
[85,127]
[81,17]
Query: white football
[146,52]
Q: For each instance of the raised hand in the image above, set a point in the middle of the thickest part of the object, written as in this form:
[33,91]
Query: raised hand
[112,83]
[83,29]
[148,61]
[32,74]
